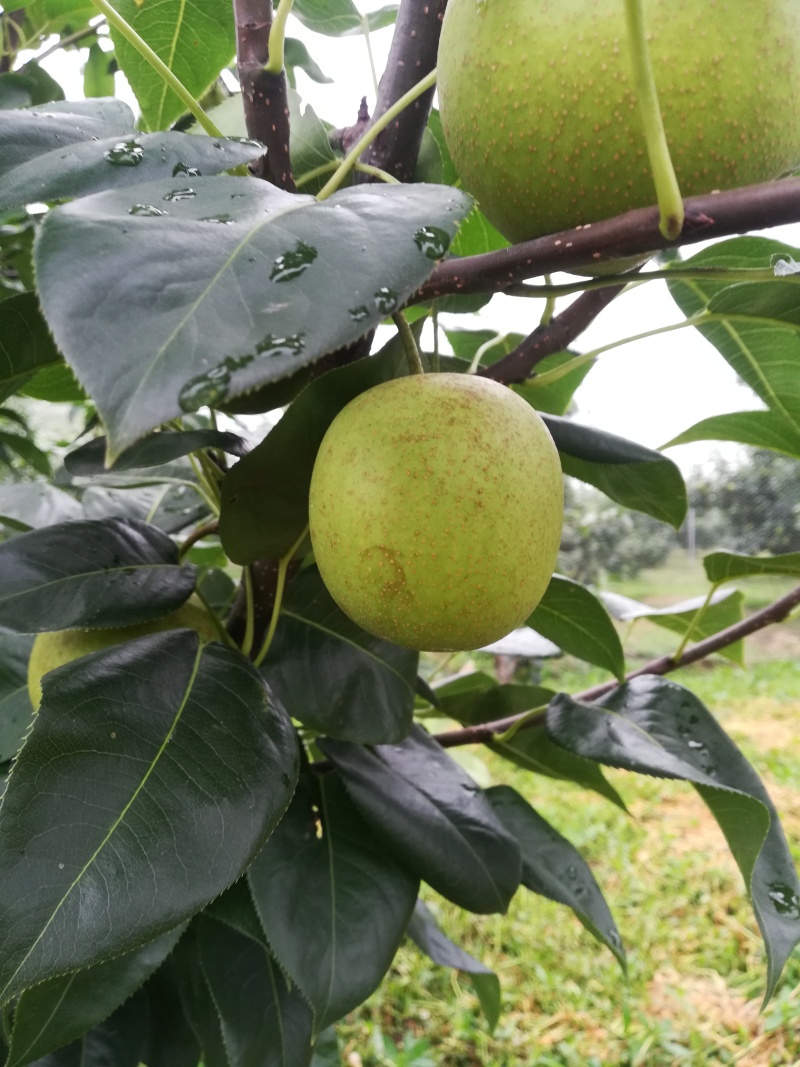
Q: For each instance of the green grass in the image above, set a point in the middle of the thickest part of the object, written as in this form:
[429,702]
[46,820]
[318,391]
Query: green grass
[696,962]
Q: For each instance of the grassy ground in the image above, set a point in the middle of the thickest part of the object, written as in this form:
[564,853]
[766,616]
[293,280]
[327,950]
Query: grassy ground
[695,957]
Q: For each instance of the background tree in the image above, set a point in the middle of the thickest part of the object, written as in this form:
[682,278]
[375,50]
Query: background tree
[212,850]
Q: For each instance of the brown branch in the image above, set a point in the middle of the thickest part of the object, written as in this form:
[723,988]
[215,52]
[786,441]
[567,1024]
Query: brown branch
[775,612]
[208,528]
[635,233]
[412,56]
[265,98]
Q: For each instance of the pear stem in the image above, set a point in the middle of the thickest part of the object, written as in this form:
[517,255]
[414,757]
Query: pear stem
[409,343]
[668,193]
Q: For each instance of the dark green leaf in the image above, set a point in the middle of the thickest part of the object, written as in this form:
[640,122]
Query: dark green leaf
[656,727]
[151,451]
[59,1010]
[326,1050]
[28,86]
[335,677]
[119,162]
[449,174]
[171,508]
[169,341]
[427,936]
[31,505]
[724,566]
[340,18]
[761,429]
[185,973]
[136,832]
[170,1041]
[434,818]
[98,73]
[25,342]
[554,868]
[119,1041]
[555,396]
[477,235]
[15,706]
[236,909]
[30,133]
[308,145]
[113,572]
[264,1022]
[356,900]
[575,620]
[634,476]
[296,55]
[196,40]
[27,451]
[56,384]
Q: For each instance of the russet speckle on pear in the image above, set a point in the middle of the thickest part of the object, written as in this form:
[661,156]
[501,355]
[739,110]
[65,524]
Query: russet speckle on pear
[541,120]
[435,510]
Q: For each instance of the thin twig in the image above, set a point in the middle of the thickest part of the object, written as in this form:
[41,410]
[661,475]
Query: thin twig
[208,528]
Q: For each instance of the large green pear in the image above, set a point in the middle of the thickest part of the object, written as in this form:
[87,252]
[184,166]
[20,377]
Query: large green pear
[435,508]
[51,650]
[541,119]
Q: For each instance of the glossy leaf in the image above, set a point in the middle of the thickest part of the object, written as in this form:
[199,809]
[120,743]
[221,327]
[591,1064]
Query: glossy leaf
[335,677]
[427,936]
[761,429]
[171,508]
[326,1050]
[554,868]
[58,1011]
[573,618]
[195,38]
[264,1021]
[724,608]
[151,451]
[434,818]
[15,706]
[107,573]
[170,1040]
[184,971]
[340,18]
[485,701]
[118,162]
[656,727]
[356,900]
[120,1040]
[174,338]
[265,497]
[144,800]
[27,86]
[725,566]
[634,476]
[25,343]
[30,133]
[32,505]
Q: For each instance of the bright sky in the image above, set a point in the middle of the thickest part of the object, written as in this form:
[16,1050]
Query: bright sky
[649,390]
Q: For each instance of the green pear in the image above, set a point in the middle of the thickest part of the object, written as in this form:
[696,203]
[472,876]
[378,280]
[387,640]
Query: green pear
[435,507]
[540,116]
[51,650]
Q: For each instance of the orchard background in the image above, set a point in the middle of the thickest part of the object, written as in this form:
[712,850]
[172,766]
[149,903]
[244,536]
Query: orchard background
[300,843]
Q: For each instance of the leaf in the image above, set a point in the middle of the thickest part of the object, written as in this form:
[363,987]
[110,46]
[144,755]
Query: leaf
[340,18]
[725,566]
[15,706]
[433,817]
[483,700]
[297,56]
[326,1050]
[195,38]
[59,1010]
[309,146]
[634,476]
[265,496]
[113,572]
[335,677]
[264,1021]
[477,235]
[25,343]
[357,900]
[136,832]
[761,429]
[575,620]
[554,395]
[656,727]
[56,384]
[119,1040]
[98,73]
[119,162]
[31,132]
[170,1039]
[151,451]
[27,86]
[174,338]
[28,452]
[427,936]
[185,972]
[171,508]
[31,505]
[554,868]
[724,608]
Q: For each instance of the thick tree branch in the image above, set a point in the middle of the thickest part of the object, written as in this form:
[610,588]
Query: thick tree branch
[266,105]
[636,233]
[412,56]
[775,612]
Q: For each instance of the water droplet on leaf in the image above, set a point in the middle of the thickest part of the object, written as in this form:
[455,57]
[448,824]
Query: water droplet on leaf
[432,241]
[291,264]
[182,168]
[145,209]
[386,300]
[784,900]
[359,314]
[125,154]
[224,220]
[180,194]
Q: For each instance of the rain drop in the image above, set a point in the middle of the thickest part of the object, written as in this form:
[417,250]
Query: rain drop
[292,264]
[359,314]
[205,390]
[180,194]
[432,241]
[181,168]
[224,220]
[290,345]
[784,900]
[125,154]
[695,744]
[386,300]
[146,209]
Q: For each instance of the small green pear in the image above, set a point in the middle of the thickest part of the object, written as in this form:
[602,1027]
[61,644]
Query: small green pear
[542,122]
[435,508]
[51,650]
